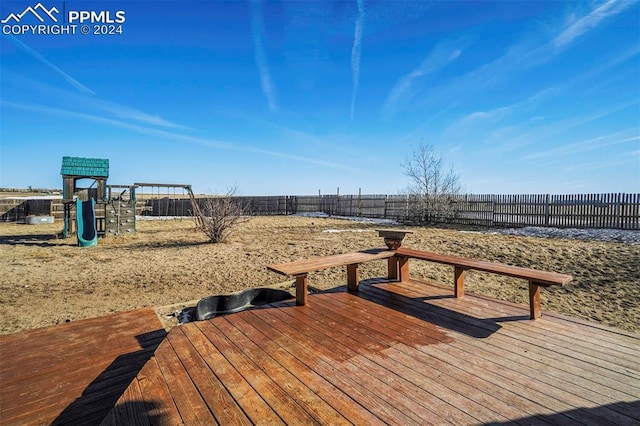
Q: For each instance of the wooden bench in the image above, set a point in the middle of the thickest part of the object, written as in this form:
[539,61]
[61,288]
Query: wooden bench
[301,268]
[399,269]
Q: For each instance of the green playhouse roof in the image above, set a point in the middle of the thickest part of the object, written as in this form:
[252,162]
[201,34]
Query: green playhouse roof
[90,167]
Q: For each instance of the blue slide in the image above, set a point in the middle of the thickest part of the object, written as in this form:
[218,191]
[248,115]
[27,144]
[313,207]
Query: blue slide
[86,223]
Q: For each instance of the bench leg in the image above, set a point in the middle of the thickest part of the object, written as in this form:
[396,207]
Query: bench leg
[534,300]
[458,282]
[302,284]
[403,269]
[353,279]
[392,266]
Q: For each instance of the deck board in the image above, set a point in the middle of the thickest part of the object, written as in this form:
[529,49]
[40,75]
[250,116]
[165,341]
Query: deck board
[327,347]
[208,385]
[274,393]
[322,360]
[74,373]
[394,353]
[255,408]
[192,408]
[295,389]
[251,326]
[440,383]
[355,380]
[525,356]
[553,348]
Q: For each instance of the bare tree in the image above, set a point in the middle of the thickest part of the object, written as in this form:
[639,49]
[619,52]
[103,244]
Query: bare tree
[433,184]
[217,216]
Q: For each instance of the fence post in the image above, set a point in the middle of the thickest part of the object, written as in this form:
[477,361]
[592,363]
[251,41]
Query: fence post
[493,210]
[386,200]
[547,210]
[406,207]
[618,211]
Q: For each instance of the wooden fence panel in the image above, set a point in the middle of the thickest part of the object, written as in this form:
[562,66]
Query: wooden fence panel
[17,210]
[619,211]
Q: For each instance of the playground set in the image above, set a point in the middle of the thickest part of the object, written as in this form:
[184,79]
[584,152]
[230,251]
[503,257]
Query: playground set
[105,210]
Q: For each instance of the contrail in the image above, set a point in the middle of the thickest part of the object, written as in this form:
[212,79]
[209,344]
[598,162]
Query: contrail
[443,53]
[257,31]
[356,53]
[75,83]
[590,21]
[175,136]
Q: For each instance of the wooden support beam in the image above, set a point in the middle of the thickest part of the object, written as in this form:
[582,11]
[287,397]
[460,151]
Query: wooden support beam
[302,284]
[353,278]
[102,190]
[458,282]
[164,185]
[68,188]
[534,300]
[403,269]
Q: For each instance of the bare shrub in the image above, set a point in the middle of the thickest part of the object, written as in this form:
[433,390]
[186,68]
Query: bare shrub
[432,187]
[217,216]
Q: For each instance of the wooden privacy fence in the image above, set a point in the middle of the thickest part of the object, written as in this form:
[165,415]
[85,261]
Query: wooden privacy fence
[16,210]
[617,211]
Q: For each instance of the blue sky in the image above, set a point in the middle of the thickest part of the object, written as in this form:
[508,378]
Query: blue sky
[298,96]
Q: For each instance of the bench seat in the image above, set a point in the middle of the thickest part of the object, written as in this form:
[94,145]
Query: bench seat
[301,268]
[536,278]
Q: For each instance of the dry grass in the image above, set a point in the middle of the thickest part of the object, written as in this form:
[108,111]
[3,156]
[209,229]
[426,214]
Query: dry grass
[45,280]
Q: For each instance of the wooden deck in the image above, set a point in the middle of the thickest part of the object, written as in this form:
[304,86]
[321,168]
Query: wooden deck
[74,373]
[394,353]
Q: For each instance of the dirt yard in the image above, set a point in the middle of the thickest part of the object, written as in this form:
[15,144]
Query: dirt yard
[45,280]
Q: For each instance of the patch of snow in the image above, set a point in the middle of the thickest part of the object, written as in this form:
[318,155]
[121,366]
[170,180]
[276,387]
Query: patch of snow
[138,217]
[610,235]
[311,214]
[374,221]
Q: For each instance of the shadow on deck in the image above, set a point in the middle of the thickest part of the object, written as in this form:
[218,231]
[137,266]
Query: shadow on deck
[74,373]
[419,307]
